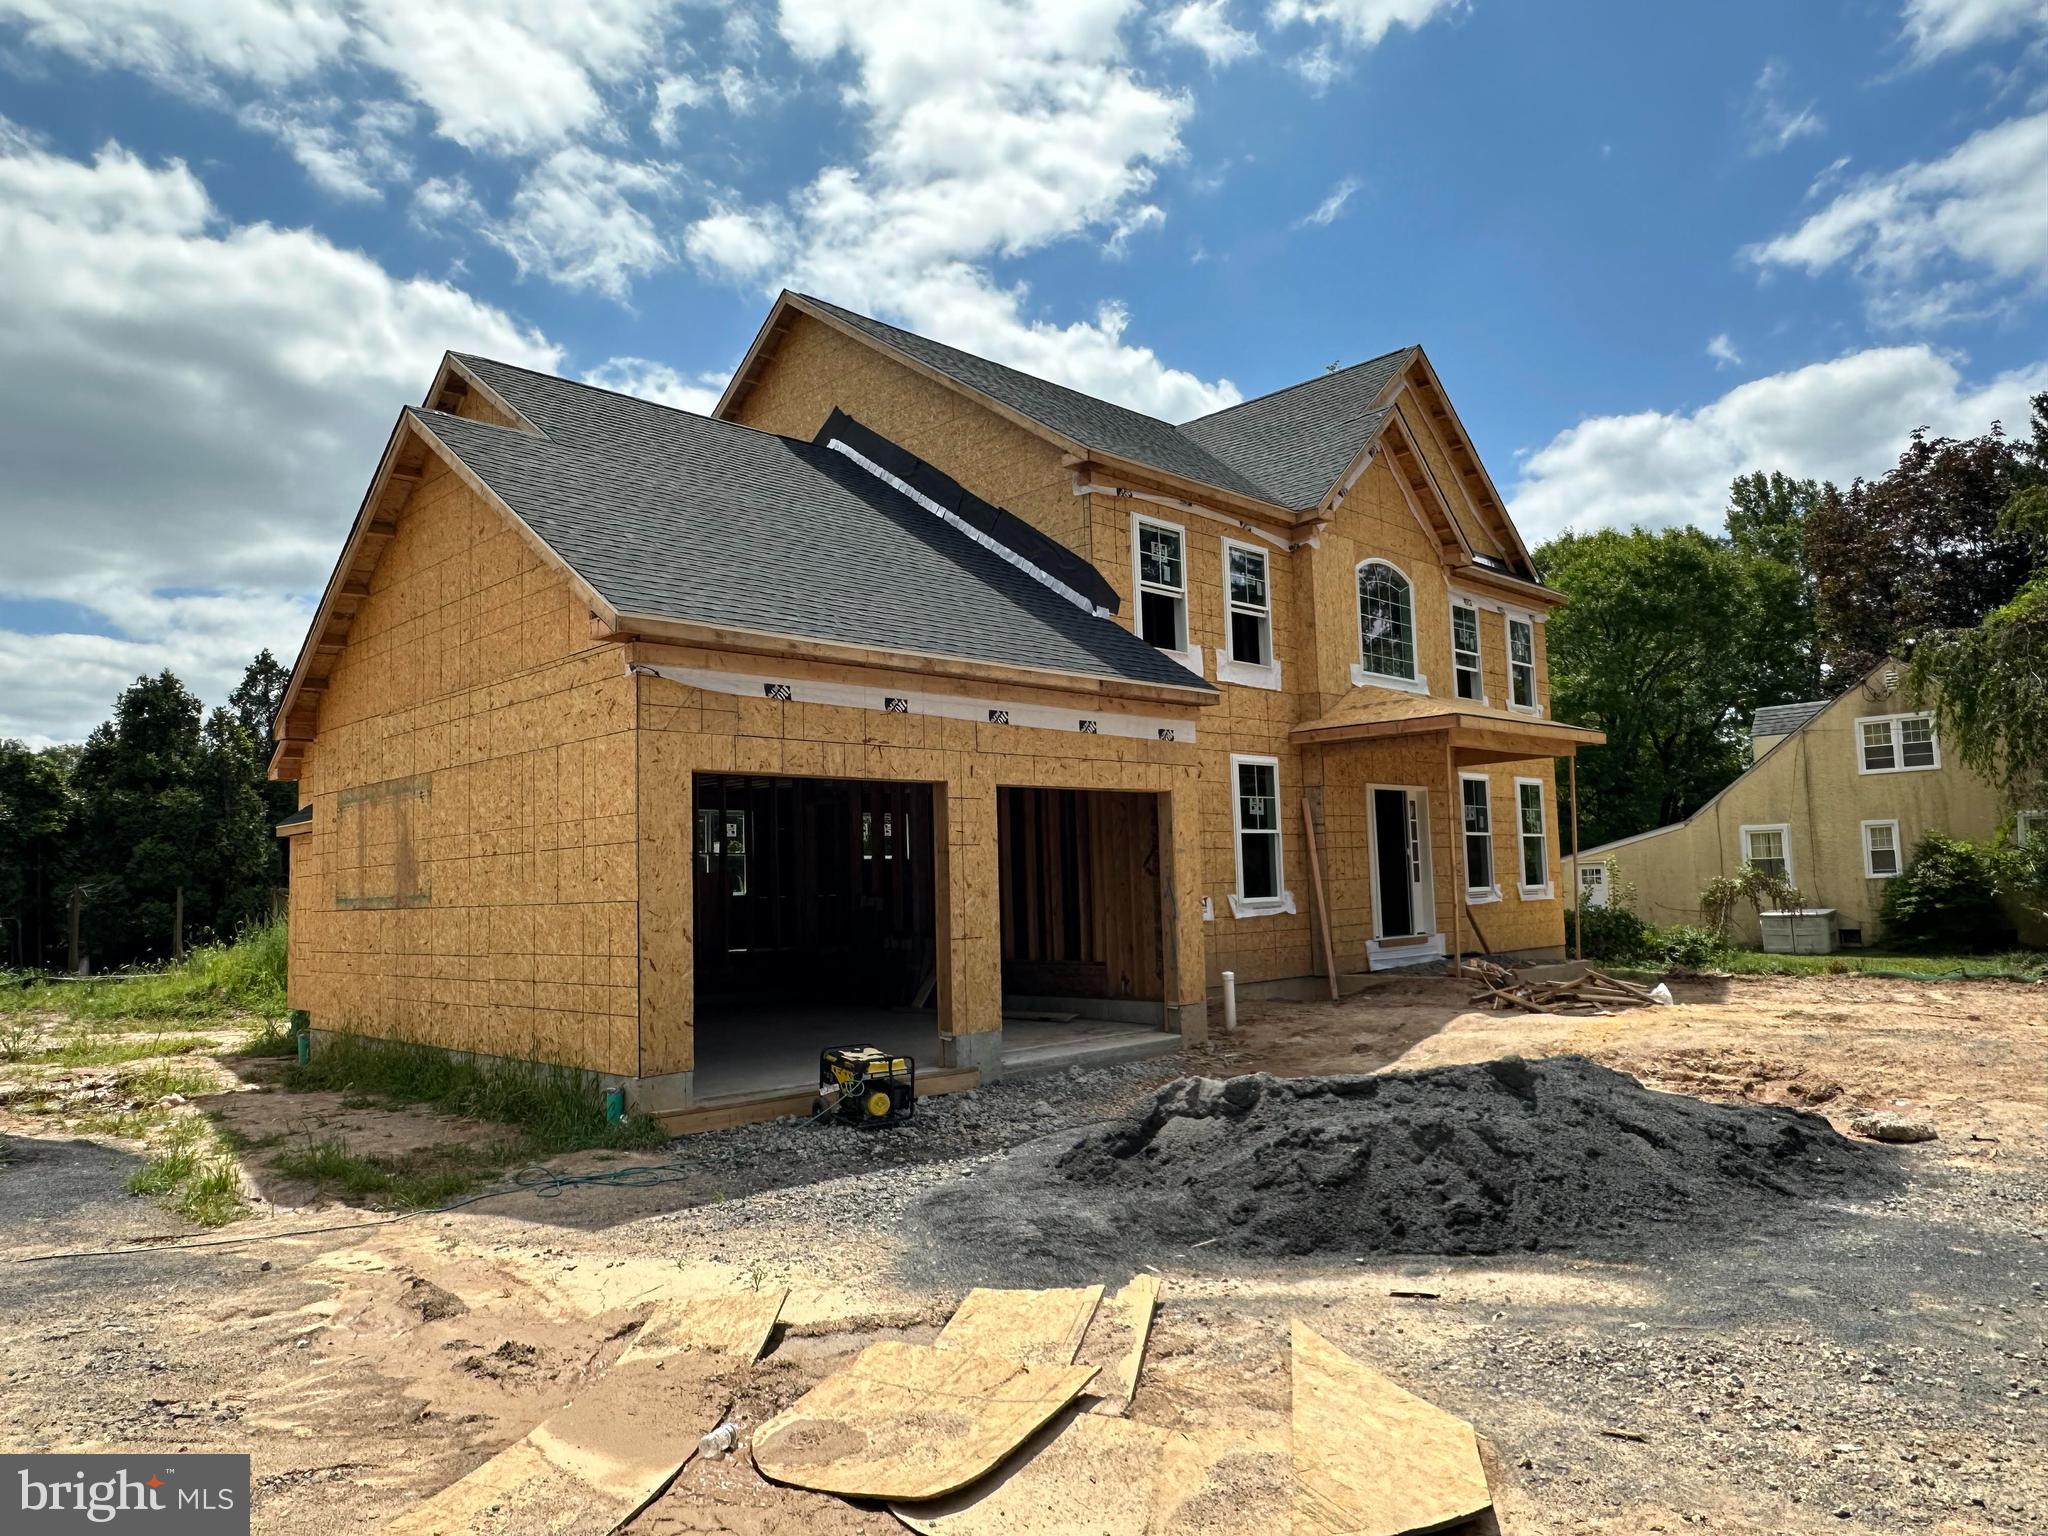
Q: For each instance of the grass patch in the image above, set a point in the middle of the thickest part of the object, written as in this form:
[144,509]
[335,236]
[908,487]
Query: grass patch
[216,981]
[153,1083]
[2021,965]
[275,1038]
[95,1051]
[428,1177]
[553,1111]
[192,1175]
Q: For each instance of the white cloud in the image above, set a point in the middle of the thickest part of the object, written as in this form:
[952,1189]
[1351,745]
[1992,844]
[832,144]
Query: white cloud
[1332,206]
[1834,420]
[1770,120]
[515,76]
[1204,25]
[673,96]
[992,128]
[352,159]
[575,220]
[1319,67]
[1927,237]
[189,410]
[648,380]
[180,42]
[1722,350]
[1937,27]
[1136,221]
[440,201]
[1361,23]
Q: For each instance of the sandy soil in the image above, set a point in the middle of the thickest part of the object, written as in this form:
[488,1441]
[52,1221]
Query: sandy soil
[1861,1370]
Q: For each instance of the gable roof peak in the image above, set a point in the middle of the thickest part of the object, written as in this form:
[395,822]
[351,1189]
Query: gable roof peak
[1273,395]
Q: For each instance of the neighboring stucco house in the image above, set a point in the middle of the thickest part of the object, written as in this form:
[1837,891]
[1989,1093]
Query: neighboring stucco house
[1838,792]
[906,692]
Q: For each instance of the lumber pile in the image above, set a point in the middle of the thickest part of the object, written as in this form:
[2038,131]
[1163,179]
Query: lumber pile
[1589,991]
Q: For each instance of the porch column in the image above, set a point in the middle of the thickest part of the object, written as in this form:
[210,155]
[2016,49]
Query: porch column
[966,895]
[1180,912]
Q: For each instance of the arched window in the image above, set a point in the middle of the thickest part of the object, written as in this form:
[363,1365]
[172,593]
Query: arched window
[1386,621]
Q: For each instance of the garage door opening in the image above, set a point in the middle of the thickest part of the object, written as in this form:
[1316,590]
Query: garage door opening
[814,926]
[1083,935]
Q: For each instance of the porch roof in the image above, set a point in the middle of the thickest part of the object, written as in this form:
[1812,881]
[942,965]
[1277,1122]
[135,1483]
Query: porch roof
[1478,732]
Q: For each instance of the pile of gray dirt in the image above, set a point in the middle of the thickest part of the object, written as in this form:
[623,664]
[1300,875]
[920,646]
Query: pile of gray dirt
[1507,1156]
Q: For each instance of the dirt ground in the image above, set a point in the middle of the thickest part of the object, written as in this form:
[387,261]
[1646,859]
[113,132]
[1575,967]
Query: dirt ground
[1862,1369]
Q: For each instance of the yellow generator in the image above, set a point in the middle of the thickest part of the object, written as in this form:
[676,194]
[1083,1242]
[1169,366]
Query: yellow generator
[866,1086]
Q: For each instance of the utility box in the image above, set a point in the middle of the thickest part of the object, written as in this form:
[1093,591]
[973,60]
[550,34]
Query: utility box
[1812,932]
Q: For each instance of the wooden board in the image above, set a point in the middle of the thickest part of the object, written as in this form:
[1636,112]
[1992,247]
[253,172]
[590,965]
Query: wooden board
[1080,1474]
[1371,1459]
[1116,1343]
[595,1462]
[1029,1327]
[911,1422]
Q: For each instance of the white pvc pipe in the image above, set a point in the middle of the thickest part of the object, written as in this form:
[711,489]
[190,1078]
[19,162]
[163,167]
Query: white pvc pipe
[1230,1002]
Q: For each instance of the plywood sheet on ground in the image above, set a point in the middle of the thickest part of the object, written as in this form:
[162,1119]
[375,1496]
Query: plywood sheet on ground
[1030,1327]
[1116,1343]
[591,1464]
[911,1422]
[1082,1475]
[1371,1459]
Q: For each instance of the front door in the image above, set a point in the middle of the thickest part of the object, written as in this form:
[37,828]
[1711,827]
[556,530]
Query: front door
[1401,900]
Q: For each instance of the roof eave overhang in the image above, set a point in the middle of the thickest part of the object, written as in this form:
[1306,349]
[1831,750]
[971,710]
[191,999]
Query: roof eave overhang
[749,642]
[411,444]
[1511,587]
[1510,740]
[1464,444]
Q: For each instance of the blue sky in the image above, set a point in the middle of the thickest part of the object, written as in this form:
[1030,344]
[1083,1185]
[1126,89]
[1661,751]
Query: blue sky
[1647,246]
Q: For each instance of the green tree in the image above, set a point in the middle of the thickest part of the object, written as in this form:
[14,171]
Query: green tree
[35,816]
[255,702]
[1669,644]
[1767,521]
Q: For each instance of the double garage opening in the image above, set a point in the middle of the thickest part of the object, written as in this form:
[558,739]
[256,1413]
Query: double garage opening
[816,922]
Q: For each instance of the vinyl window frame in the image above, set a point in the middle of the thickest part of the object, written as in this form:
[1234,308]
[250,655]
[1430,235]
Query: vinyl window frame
[1895,738]
[1490,891]
[1517,670]
[1870,869]
[1242,905]
[1361,674]
[1547,891]
[1477,668]
[1783,829]
[1187,653]
[1230,667]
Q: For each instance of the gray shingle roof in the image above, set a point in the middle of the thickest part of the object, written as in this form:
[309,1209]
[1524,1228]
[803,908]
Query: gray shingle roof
[1784,719]
[1287,448]
[676,516]
[1297,441]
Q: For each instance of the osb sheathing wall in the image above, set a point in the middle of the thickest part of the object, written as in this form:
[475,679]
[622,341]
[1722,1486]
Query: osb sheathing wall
[1315,624]
[469,881]
[686,730]
[1812,783]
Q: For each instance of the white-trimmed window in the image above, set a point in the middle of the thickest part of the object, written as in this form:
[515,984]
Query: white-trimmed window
[1769,848]
[1247,656]
[1386,625]
[1255,819]
[2028,826]
[1534,840]
[1159,556]
[1475,801]
[1896,744]
[1880,850]
[1521,663]
[1466,663]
